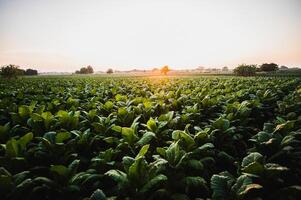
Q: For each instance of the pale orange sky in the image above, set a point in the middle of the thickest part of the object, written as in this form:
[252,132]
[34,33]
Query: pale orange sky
[64,35]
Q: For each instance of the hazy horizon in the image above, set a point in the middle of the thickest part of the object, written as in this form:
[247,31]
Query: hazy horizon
[66,35]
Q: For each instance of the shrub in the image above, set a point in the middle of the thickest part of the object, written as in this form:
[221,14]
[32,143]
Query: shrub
[245,70]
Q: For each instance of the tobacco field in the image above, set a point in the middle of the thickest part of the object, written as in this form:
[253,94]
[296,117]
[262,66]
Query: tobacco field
[220,138]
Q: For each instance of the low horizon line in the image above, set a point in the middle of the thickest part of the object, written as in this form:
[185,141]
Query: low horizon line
[141,69]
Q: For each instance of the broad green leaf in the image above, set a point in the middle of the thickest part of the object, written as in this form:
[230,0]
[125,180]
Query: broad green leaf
[36,117]
[195,181]
[155,182]
[138,172]
[129,135]
[253,163]
[63,115]
[12,148]
[73,166]
[24,140]
[161,151]
[122,112]
[157,166]
[241,183]
[50,136]
[249,188]
[252,157]
[173,154]
[142,151]
[117,128]
[24,111]
[98,195]
[221,123]
[48,117]
[274,169]
[120,97]
[181,135]
[127,161]
[220,187]
[244,185]
[4,172]
[151,125]
[19,177]
[146,138]
[117,175]
[108,105]
[253,168]
[166,117]
[285,126]
[202,136]
[62,136]
[263,136]
[206,146]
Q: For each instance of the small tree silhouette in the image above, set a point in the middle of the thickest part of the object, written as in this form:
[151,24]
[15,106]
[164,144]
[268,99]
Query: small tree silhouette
[31,72]
[90,70]
[110,71]
[85,70]
[265,67]
[165,69]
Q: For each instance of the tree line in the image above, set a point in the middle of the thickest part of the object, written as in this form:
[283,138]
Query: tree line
[250,70]
[12,71]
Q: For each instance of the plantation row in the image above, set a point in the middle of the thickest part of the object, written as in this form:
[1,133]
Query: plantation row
[150,138]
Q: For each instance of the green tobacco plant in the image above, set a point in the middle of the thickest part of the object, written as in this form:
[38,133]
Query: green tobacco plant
[195,137]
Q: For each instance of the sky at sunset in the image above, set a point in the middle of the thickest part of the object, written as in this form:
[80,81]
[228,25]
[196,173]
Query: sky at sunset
[64,35]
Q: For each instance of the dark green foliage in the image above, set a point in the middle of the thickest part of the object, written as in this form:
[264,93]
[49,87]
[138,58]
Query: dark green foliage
[30,72]
[245,70]
[11,71]
[85,70]
[150,138]
[110,71]
[269,67]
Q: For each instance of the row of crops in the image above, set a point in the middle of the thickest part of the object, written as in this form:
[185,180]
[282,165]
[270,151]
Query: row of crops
[150,138]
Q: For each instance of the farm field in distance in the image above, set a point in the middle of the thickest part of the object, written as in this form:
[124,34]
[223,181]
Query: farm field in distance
[196,137]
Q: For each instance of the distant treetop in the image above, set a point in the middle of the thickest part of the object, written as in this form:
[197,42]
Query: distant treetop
[165,69]
[85,70]
[245,70]
[269,67]
[110,71]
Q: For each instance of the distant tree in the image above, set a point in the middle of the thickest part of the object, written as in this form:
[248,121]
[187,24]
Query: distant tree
[90,70]
[30,72]
[269,67]
[225,69]
[284,67]
[245,70]
[11,71]
[165,69]
[85,70]
[110,71]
